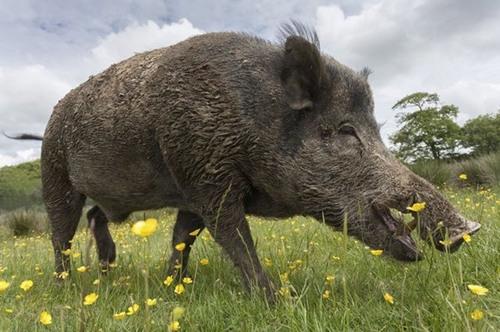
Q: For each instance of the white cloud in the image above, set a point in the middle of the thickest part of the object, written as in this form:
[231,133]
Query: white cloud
[139,38]
[20,156]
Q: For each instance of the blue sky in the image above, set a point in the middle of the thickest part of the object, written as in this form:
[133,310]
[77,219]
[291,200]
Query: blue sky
[450,47]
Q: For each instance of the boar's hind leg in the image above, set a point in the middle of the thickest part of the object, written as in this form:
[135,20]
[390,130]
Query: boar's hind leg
[186,223]
[64,208]
[231,231]
[98,224]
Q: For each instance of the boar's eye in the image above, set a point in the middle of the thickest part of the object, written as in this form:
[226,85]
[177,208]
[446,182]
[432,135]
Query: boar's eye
[347,129]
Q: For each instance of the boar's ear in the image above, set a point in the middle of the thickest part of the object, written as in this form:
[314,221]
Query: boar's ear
[303,71]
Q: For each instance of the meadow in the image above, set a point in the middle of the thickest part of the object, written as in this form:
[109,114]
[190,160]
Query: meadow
[326,281]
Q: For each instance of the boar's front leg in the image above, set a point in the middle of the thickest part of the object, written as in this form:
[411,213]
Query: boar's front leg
[186,223]
[231,231]
[106,249]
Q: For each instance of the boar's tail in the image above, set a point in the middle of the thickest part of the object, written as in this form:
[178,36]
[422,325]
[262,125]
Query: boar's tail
[25,137]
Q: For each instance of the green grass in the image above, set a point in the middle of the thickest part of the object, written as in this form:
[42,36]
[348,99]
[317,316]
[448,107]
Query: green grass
[430,295]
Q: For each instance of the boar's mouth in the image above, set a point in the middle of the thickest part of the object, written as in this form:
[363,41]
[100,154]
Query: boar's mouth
[401,245]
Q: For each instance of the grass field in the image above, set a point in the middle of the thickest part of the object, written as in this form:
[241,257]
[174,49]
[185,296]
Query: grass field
[337,283]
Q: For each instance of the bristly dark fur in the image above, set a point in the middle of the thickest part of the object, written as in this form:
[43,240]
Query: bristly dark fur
[365,72]
[296,28]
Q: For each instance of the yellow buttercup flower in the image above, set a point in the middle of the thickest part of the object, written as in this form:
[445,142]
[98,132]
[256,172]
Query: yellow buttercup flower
[187,280]
[329,279]
[445,242]
[82,269]
[376,252]
[477,314]
[204,261]
[76,255]
[66,252]
[416,207]
[326,294]
[388,298]
[151,302]
[168,281]
[174,326]
[119,315]
[195,232]
[467,238]
[96,282]
[45,318]
[179,289]
[90,299]
[26,285]
[180,246]
[4,285]
[145,228]
[463,176]
[134,308]
[178,312]
[478,289]
[268,262]
[63,275]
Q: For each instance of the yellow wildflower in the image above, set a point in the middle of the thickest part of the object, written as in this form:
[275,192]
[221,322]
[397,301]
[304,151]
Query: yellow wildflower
[195,232]
[76,255]
[66,252]
[179,289]
[96,282]
[4,285]
[90,299]
[174,326]
[467,238]
[388,298]
[180,246]
[478,289]
[9,310]
[445,242]
[268,262]
[477,314]
[326,294]
[177,313]
[463,176]
[329,279]
[45,318]
[204,261]
[168,281]
[416,207]
[82,269]
[119,316]
[376,252]
[134,308]
[187,280]
[63,275]
[26,285]
[145,228]
[151,302]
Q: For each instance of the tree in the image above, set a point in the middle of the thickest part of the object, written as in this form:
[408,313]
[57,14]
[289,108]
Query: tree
[428,130]
[482,134]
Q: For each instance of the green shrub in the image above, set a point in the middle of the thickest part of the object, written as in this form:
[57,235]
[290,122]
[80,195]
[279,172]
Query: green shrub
[435,171]
[25,222]
[481,171]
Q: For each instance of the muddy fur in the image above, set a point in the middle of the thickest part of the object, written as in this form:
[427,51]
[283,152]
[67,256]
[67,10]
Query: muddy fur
[219,126]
